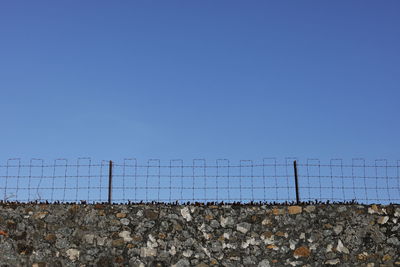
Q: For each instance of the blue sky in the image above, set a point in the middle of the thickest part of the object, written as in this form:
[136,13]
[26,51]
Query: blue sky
[199,79]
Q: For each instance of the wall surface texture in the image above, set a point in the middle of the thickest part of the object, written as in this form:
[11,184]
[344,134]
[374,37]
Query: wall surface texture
[188,235]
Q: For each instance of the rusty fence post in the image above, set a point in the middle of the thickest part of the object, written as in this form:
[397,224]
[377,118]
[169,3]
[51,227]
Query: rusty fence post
[296,182]
[110,182]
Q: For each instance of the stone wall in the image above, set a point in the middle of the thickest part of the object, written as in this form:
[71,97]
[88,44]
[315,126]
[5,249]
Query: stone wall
[189,235]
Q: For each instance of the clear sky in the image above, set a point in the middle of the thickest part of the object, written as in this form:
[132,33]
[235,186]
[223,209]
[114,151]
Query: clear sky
[199,79]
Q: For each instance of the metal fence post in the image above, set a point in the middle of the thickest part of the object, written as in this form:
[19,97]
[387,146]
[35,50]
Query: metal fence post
[296,182]
[110,181]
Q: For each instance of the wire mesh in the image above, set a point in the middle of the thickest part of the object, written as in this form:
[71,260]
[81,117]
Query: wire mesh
[199,180]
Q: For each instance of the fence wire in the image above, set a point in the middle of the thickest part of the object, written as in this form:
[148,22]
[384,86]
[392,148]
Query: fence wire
[266,180]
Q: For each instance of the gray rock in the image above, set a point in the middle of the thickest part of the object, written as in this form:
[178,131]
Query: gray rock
[264,263]
[243,227]
[125,221]
[214,224]
[182,263]
[338,229]
[394,241]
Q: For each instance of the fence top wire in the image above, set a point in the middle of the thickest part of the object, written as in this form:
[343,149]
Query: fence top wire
[200,180]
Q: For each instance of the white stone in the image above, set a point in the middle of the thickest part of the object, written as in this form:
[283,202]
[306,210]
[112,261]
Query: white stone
[228,245]
[397,213]
[383,220]
[202,227]
[332,262]
[125,221]
[89,238]
[329,248]
[302,236]
[152,239]
[294,263]
[309,209]
[148,252]
[242,228]
[206,251]
[172,251]
[150,244]
[341,248]
[101,241]
[268,240]
[206,236]
[371,211]
[187,253]
[73,254]
[266,221]
[248,242]
[186,214]
[338,229]
[224,221]
[126,235]
[292,244]
[226,235]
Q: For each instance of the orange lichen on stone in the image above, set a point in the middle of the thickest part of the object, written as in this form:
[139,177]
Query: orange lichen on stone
[214,262]
[209,217]
[3,233]
[137,238]
[280,233]
[276,211]
[267,234]
[99,206]
[362,256]
[40,215]
[272,247]
[302,252]
[162,236]
[101,213]
[50,237]
[294,209]
[359,212]
[387,257]
[375,208]
[74,209]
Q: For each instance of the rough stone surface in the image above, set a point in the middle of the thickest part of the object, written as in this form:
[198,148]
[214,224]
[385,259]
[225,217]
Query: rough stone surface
[44,235]
[294,209]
